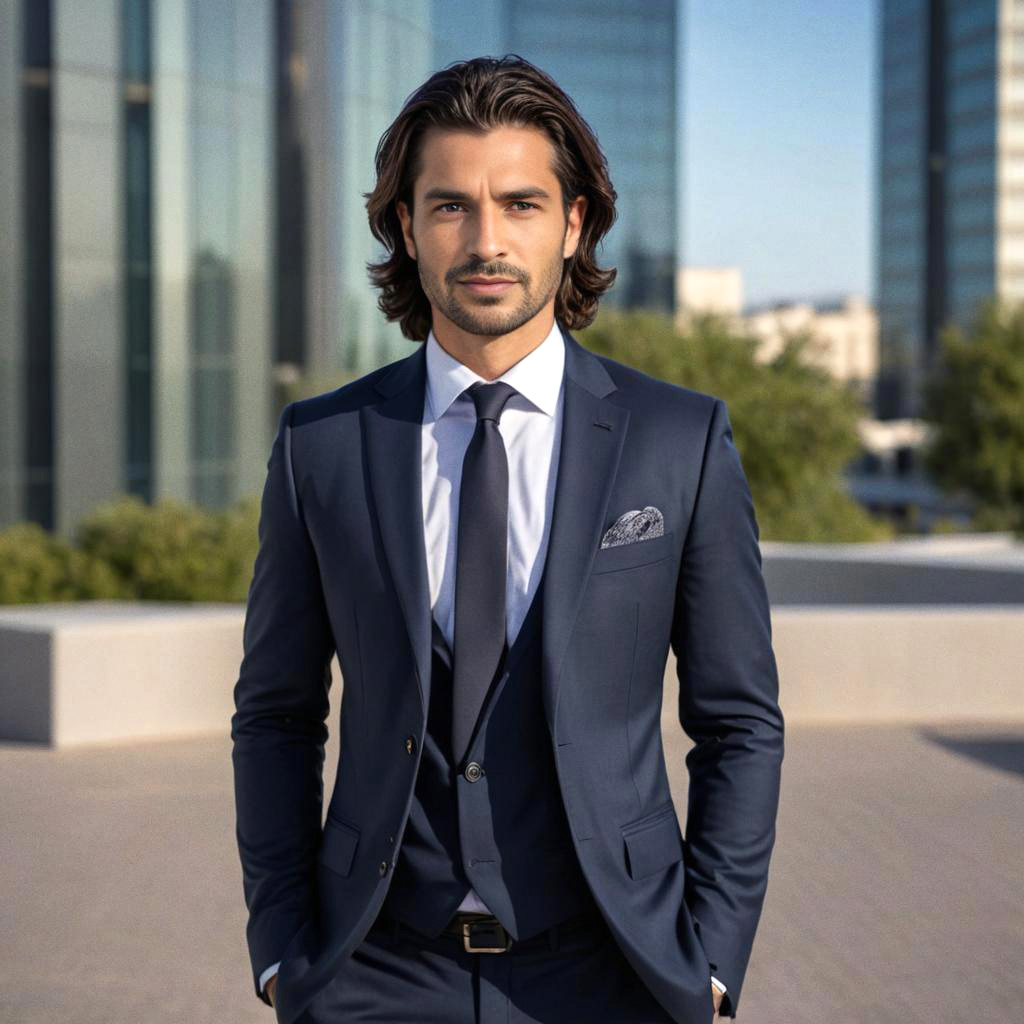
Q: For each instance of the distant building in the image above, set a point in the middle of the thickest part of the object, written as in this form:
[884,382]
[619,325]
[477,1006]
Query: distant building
[950,175]
[889,480]
[708,290]
[844,333]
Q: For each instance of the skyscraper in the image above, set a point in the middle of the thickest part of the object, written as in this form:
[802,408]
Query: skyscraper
[344,70]
[136,262]
[950,228]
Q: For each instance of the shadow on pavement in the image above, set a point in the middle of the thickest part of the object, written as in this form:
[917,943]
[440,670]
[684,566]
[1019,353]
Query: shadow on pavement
[1005,752]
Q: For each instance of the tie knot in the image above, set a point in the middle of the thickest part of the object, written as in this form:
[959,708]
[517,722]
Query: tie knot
[490,399]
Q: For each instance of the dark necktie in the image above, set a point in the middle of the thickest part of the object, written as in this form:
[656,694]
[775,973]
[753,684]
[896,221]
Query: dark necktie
[481,566]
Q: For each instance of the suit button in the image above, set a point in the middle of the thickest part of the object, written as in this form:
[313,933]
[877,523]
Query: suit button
[391,839]
[473,771]
[383,868]
[410,744]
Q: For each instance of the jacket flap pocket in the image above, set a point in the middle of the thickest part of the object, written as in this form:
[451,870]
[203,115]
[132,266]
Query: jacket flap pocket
[654,846]
[338,845]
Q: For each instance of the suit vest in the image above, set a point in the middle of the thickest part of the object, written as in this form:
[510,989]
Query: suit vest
[503,831]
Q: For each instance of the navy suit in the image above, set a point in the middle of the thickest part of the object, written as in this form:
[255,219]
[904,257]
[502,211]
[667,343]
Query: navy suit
[341,567]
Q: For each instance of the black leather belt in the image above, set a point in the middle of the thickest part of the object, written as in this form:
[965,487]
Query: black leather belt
[484,933]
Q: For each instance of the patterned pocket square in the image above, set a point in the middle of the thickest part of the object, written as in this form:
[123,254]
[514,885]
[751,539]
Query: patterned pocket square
[637,525]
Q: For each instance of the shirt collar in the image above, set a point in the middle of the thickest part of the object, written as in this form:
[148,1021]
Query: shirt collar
[537,376]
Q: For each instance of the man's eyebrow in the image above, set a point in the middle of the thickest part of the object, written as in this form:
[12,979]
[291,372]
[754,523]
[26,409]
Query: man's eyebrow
[451,195]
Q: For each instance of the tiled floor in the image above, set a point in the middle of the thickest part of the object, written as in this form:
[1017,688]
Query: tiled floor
[896,888]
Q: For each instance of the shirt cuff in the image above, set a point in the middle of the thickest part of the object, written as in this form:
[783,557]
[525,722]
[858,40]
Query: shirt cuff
[718,985]
[268,974]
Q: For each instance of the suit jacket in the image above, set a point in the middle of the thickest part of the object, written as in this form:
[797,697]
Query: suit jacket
[341,567]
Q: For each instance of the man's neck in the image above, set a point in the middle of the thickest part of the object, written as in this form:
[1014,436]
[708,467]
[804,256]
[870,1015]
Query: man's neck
[490,356]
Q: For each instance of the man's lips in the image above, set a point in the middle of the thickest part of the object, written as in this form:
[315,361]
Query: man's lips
[488,285]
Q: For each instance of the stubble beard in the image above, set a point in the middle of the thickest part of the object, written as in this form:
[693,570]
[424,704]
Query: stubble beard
[481,318]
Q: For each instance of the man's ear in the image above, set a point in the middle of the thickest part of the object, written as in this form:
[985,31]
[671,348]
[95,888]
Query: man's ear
[405,217]
[574,226]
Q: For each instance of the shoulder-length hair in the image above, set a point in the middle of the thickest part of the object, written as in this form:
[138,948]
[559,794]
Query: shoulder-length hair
[479,95]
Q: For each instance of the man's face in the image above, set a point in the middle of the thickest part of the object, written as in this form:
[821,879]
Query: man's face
[488,230]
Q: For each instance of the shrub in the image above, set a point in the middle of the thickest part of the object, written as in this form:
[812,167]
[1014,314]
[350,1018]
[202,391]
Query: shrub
[40,567]
[172,551]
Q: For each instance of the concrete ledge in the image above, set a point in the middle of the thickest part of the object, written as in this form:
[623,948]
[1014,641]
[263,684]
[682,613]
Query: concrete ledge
[903,663]
[922,664]
[106,671]
[109,670]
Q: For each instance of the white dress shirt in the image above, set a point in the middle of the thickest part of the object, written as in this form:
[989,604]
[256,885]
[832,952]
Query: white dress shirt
[531,427]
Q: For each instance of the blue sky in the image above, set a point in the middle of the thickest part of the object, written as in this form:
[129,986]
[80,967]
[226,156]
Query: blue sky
[778,143]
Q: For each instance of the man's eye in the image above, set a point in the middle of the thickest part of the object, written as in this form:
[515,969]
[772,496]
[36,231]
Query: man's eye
[520,205]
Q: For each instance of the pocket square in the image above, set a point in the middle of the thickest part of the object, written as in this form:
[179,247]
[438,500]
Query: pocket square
[636,525]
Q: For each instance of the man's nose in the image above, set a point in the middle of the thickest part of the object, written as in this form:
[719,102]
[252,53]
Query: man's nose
[486,239]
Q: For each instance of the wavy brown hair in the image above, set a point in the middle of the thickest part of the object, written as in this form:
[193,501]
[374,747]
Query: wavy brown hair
[480,95]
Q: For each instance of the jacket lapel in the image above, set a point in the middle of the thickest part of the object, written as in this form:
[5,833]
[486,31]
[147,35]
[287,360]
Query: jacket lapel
[593,433]
[393,432]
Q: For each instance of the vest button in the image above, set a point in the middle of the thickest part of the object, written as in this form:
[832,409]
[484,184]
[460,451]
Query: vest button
[473,771]
[383,868]
[410,744]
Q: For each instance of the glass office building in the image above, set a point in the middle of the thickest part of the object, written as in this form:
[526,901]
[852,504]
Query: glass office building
[950,229]
[135,339]
[343,72]
[903,179]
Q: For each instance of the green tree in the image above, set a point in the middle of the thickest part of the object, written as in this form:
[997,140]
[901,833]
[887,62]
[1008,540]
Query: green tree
[974,403]
[794,426]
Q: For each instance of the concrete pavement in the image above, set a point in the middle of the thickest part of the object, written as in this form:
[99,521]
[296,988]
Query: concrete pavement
[896,889]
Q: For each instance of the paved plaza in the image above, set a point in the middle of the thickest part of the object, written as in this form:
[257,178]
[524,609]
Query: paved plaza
[896,890]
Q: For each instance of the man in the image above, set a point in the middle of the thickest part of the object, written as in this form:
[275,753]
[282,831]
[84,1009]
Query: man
[501,535]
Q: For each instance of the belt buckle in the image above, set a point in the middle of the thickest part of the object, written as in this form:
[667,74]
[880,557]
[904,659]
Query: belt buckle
[467,937]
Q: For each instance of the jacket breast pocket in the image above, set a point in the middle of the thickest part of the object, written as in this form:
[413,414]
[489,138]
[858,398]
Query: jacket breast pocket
[338,845]
[652,842]
[633,554]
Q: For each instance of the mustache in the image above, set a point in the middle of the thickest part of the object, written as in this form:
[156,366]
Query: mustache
[477,269]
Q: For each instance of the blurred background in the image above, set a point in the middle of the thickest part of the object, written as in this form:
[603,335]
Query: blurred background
[820,220]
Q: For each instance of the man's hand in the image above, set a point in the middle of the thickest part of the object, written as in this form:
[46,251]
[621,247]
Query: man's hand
[272,985]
